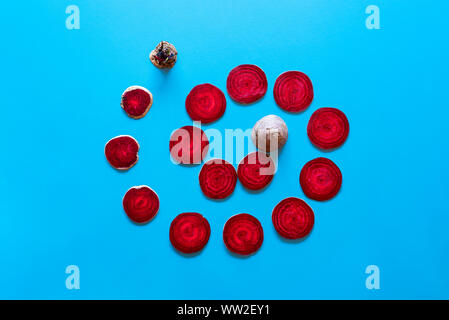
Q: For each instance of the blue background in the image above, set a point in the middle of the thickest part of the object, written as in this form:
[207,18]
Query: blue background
[61,201]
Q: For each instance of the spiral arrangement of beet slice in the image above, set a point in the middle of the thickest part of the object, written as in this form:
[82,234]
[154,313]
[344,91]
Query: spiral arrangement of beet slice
[205,103]
[293,218]
[328,128]
[141,204]
[136,101]
[293,91]
[189,232]
[217,179]
[246,83]
[243,234]
[188,145]
[256,171]
[320,179]
[121,152]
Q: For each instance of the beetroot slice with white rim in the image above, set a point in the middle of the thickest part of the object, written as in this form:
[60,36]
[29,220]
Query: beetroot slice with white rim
[246,83]
[189,232]
[188,145]
[217,179]
[136,101]
[293,91]
[256,170]
[141,204]
[320,179]
[243,234]
[328,128]
[121,152]
[293,218]
[205,103]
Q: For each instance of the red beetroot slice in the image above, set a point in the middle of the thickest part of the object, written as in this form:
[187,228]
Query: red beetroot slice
[293,91]
[217,179]
[320,179]
[189,232]
[136,101]
[188,145]
[246,83]
[141,204]
[205,103]
[293,218]
[256,171]
[121,152]
[328,128]
[243,234]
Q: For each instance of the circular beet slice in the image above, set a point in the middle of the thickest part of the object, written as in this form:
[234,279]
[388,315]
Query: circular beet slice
[328,128]
[189,232]
[293,218]
[188,145]
[121,152]
[141,204]
[136,101]
[293,91]
[243,234]
[246,83]
[256,170]
[205,103]
[320,179]
[217,179]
